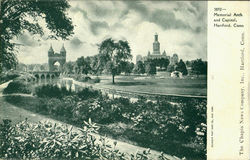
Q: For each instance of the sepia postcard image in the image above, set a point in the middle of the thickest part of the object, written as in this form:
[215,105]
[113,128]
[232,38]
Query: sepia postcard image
[103,80]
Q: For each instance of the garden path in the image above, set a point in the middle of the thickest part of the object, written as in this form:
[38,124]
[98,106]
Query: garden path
[8,111]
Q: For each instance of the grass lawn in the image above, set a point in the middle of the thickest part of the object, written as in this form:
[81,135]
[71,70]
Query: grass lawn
[15,114]
[163,85]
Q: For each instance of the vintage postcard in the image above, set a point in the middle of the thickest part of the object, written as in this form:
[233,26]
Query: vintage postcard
[124,80]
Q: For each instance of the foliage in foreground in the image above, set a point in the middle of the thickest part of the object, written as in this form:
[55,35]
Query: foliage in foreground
[46,140]
[170,122]
[17,86]
[4,77]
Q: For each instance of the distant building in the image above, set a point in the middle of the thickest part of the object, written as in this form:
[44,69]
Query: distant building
[139,58]
[156,54]
[37,67]
[56,57]
[174,59]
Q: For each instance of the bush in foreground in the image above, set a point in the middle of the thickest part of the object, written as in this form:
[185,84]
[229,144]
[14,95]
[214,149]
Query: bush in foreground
[17,87]
[4,77]
[173,124]
[46,140]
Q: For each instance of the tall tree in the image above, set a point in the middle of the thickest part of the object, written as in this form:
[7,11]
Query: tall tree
[170,68]
[199,67]
[139,68]
[96,65]
[68,67]
[150,68]
[19,15]
[165,63]
[127,67]
[83,65]
[113,54]
[181,67]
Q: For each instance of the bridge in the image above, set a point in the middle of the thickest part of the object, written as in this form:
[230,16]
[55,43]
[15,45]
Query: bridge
[45,75]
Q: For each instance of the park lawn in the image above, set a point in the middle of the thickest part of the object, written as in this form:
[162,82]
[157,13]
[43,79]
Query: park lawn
[166,85]
[15,114]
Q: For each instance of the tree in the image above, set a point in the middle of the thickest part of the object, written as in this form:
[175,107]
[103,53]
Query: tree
[181,67]
[165,63]
[68,67]
[21,67]
[15,17]
[127,67]
[170,68]
[150,68]
[96,65]
[199,67]
[139,68]
[83,65]
[188,63]
[113,54]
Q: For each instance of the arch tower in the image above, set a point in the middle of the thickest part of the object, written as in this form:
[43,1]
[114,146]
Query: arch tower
[56,57]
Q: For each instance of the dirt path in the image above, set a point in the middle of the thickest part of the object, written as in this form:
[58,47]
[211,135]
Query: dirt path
[8,111]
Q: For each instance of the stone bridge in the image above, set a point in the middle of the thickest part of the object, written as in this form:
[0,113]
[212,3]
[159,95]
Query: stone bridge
[48,76]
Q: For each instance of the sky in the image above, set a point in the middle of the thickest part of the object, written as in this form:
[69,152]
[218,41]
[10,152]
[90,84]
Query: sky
[181,29]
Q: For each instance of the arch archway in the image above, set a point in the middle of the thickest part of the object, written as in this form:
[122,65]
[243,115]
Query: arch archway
[37,77]
[56,66]
[48,78]
[43,78]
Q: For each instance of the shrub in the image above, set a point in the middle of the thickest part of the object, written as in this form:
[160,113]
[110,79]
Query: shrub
[160,119]
[168,121]
[88,92]
[46,140]
[17,87]
[4,77]
[98,109]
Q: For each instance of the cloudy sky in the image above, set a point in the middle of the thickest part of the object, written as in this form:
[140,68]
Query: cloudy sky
[181,27]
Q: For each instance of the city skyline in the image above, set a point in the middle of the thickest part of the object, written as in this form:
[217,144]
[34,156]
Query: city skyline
[136,22]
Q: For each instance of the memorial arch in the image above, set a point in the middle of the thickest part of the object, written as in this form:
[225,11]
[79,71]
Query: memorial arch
[56,58]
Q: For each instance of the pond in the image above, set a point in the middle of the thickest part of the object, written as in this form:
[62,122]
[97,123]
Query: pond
[76,86]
